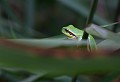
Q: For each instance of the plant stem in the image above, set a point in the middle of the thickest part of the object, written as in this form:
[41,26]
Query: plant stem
[116,16]
[29,17]
[90,17]
[89,20]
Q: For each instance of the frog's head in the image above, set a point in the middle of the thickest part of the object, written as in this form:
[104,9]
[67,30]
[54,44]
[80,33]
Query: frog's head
[68,31]
[72,32]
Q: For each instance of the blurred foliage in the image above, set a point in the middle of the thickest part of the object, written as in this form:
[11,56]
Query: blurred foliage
[43,19]
[48,15]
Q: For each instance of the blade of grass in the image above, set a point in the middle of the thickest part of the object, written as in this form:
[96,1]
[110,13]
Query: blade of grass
[17,59]
[104,26]
[12,31]
[29,14]
[47,43]
[32,78]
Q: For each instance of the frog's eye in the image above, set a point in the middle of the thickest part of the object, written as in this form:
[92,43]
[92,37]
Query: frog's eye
[67,30]
[71,34]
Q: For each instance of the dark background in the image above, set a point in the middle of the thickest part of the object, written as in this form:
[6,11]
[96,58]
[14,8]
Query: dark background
[45,18]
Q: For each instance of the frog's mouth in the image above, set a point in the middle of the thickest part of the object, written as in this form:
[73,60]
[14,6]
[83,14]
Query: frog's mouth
[70,34]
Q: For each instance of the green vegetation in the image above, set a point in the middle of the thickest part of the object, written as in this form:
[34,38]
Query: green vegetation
[33,48]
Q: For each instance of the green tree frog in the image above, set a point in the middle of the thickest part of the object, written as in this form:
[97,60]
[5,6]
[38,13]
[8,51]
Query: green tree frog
[74,33]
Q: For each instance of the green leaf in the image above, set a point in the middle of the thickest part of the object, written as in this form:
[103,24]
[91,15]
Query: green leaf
[109,44]
[47,43]
[17,59]
[99,31]
[113,43]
